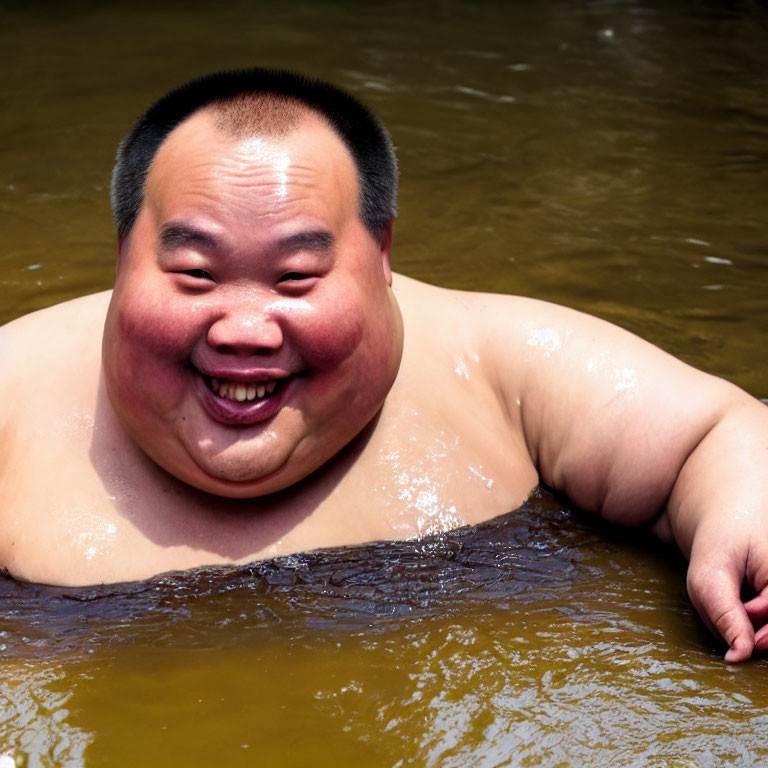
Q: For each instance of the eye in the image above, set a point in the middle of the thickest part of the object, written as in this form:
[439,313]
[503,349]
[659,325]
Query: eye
[199,274]
[294,277]
[297,283]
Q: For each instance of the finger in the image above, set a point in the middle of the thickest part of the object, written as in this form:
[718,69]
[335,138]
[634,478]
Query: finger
[740,649]
[757,609]
[761,639]
[714,589]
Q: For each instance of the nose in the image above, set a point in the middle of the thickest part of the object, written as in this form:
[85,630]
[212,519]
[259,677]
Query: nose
[246,329]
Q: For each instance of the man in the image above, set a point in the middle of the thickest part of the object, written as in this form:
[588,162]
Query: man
[266,385]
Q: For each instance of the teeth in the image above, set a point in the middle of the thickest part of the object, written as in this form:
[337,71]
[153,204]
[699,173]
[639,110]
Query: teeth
[231,390]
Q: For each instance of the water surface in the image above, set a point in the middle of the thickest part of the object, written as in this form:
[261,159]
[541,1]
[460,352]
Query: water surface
[612,156]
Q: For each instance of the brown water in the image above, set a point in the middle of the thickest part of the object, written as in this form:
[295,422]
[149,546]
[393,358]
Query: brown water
[612,156]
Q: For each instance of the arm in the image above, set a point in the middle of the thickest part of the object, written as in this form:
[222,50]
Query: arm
[640,438]
[718,514]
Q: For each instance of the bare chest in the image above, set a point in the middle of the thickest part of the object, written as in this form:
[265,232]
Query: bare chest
[86,506]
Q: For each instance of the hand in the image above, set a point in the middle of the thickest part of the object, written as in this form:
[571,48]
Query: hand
[729,553]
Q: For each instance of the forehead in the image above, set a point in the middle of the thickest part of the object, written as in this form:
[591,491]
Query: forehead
[200,164]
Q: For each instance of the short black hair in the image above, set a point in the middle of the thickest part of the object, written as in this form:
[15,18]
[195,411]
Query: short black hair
[361,131]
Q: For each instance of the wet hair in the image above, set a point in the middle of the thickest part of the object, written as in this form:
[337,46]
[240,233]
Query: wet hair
[262,102]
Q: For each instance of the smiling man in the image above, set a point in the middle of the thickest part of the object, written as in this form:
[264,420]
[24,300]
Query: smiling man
[252,305]
[265,385]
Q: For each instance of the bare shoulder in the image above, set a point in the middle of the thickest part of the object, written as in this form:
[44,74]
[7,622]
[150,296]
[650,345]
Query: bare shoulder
[439,321]
[517,334]
[47,333]
[474,311]
[497,328]
[536,353]
[59,343]
[481,336]
[49,362]
[81,310]
[480,313]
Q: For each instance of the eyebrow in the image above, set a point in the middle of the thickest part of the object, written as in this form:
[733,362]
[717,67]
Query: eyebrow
[174,235]
[179,235]
[313,240]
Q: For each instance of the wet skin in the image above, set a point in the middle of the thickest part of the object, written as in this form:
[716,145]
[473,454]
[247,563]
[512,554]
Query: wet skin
[258,394]
[249,266]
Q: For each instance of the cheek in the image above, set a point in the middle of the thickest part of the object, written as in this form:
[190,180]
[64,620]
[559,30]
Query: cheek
[143,344]
[330,334]
[348,347]
[149,332]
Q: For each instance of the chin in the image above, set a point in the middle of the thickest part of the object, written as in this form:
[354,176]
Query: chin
[237,482]
[230,490]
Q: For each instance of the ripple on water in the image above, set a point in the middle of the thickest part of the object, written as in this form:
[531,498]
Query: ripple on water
[528,640]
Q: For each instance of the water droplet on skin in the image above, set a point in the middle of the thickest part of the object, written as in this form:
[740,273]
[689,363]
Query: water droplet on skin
[547,339]
[461,369]
[626,380]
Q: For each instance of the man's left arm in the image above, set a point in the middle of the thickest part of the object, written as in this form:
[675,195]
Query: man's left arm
[633,434]
[718,514]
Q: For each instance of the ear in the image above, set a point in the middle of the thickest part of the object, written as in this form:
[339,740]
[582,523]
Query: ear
[385,249]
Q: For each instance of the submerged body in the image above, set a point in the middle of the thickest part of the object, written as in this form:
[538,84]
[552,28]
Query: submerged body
[265,385]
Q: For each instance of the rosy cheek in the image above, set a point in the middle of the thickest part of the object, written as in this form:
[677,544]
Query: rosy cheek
[145,343]
[154,331]
[327,332]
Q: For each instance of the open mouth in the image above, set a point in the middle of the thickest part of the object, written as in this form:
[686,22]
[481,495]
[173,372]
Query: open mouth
[242,392]
[244,403]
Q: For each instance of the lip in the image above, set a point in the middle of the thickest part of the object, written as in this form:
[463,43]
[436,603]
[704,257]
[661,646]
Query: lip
[246,413]
[243,375]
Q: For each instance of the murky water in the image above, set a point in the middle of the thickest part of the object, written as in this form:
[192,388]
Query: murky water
[612,156]
[530,640]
